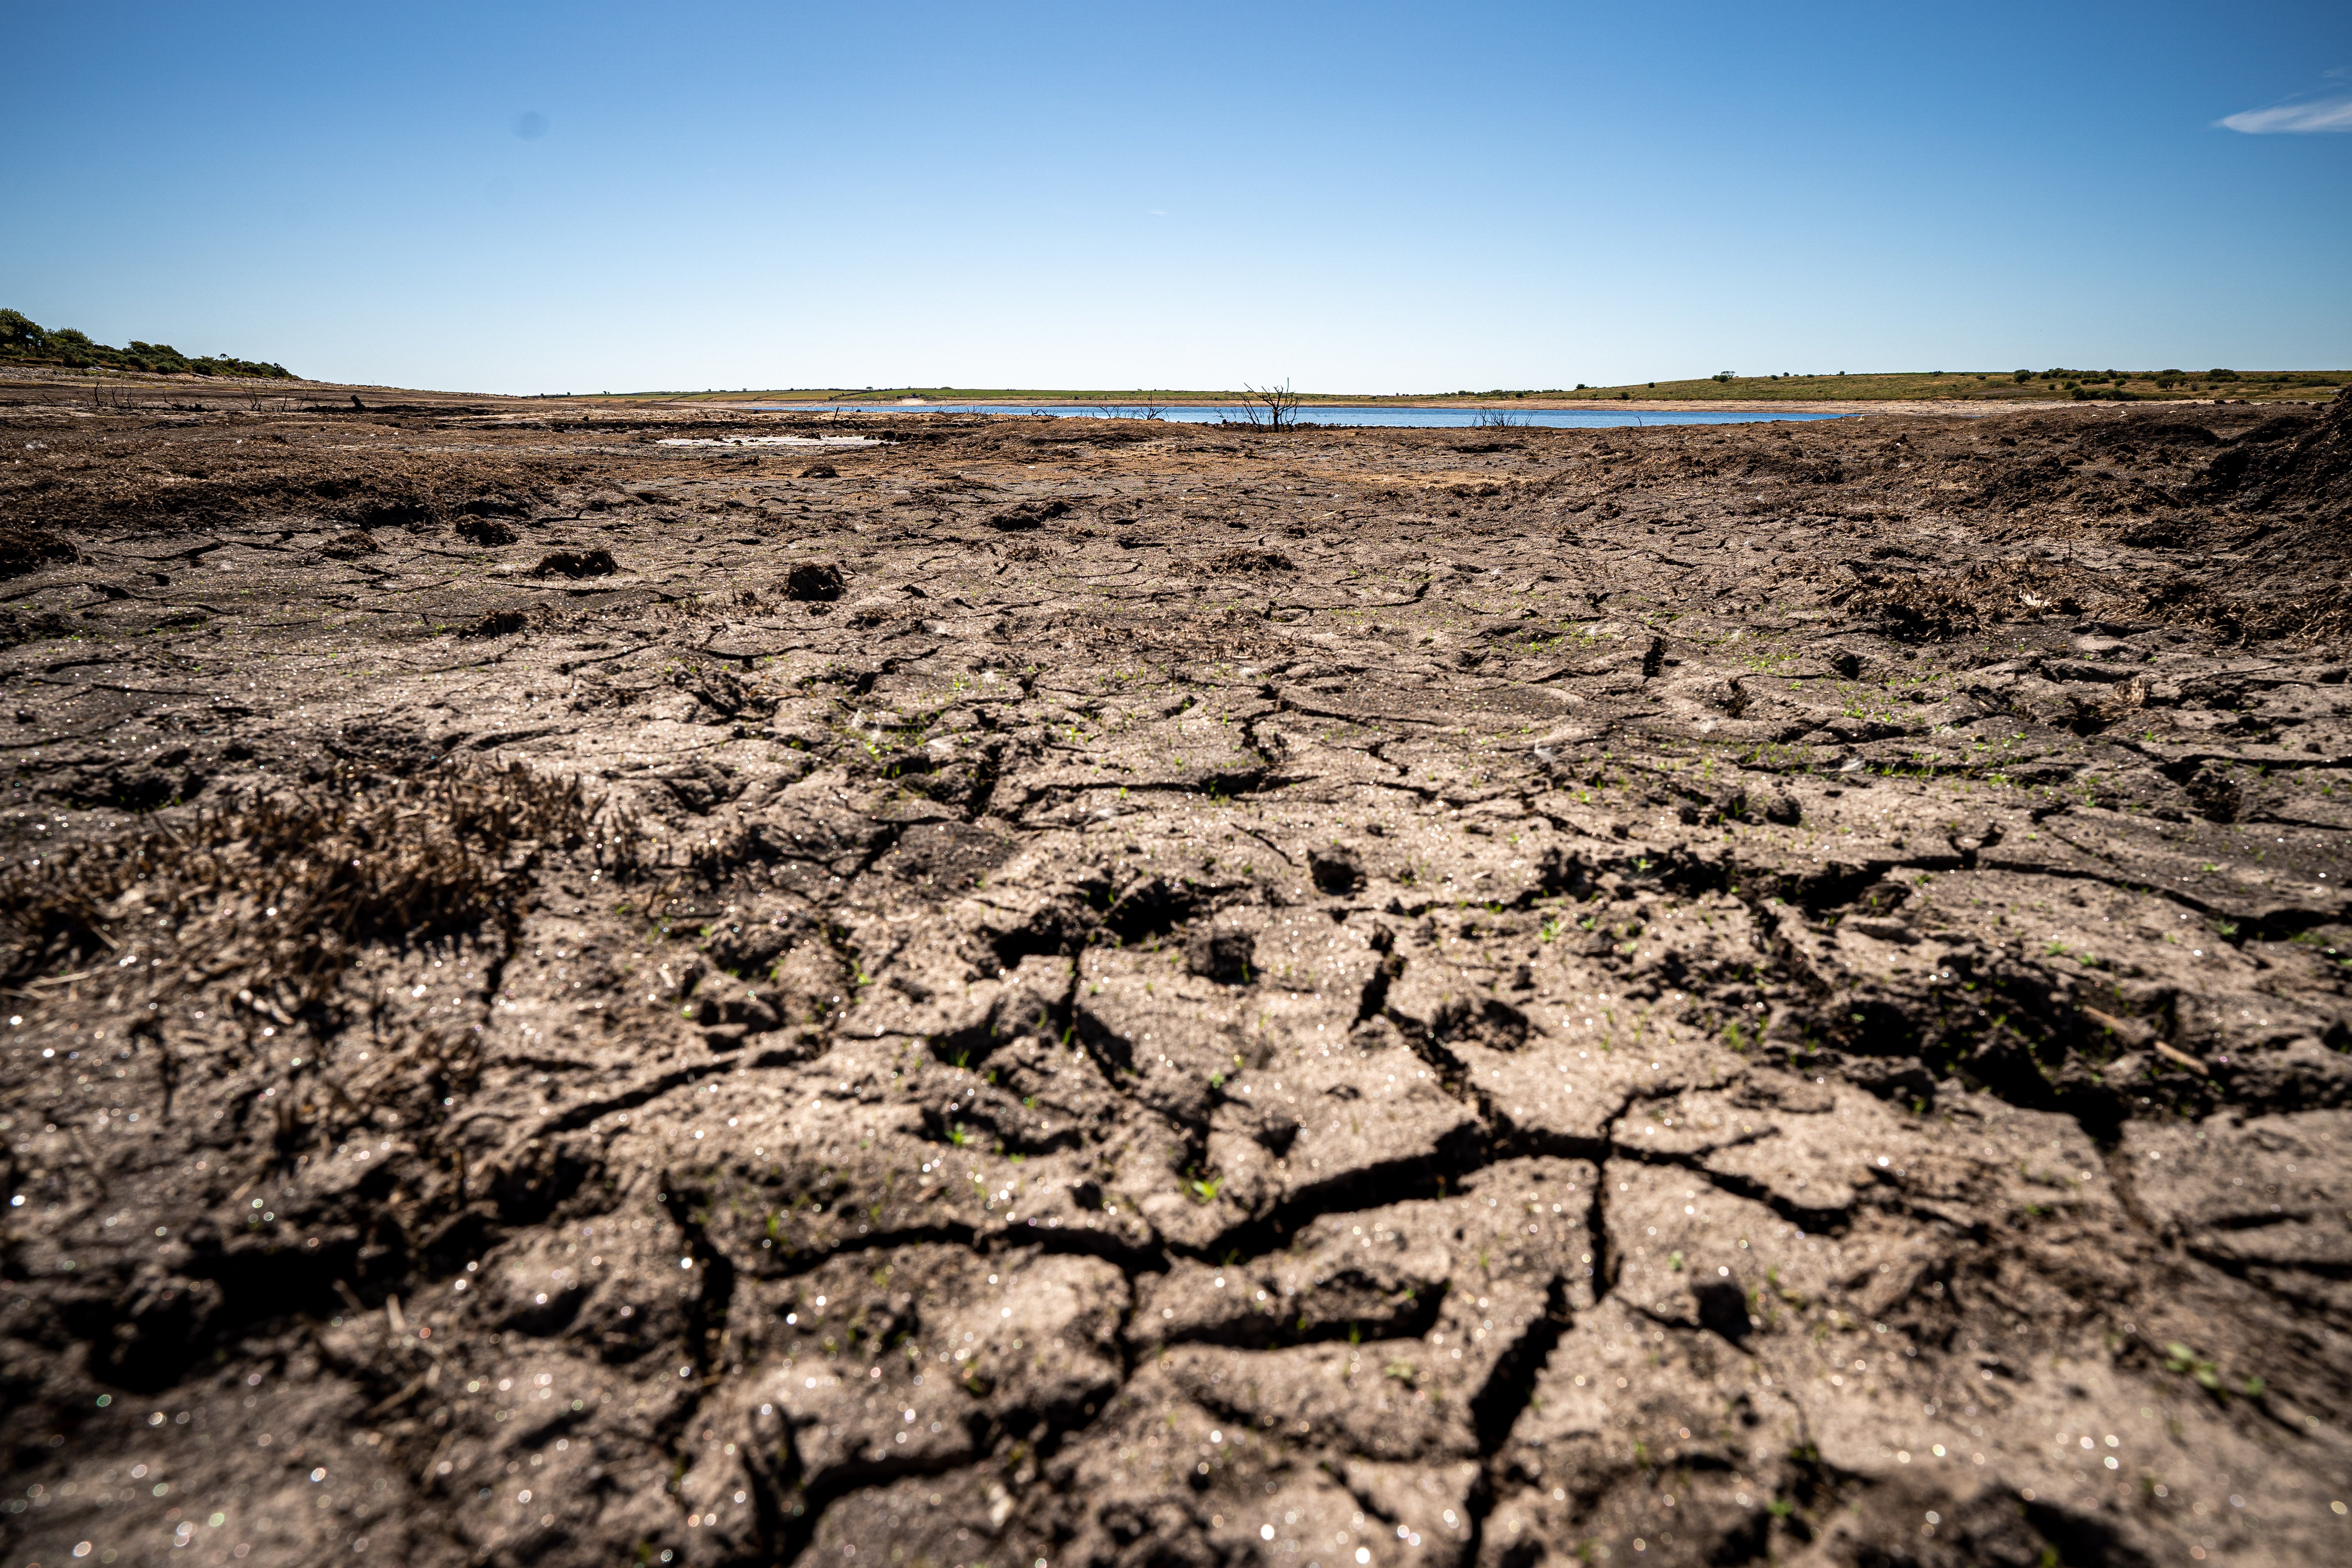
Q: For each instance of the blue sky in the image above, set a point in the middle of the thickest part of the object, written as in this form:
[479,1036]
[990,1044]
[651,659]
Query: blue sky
[1355,198]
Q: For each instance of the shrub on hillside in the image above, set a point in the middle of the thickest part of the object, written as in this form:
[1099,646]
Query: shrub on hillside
[25,340]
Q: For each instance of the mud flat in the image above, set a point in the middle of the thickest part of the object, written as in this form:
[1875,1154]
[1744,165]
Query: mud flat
[1077,992]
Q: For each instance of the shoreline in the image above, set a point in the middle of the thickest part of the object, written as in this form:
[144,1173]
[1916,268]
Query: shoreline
[1846,406]
[77,383]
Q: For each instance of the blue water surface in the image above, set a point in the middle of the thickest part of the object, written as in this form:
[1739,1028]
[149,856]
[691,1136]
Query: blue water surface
[1336,414]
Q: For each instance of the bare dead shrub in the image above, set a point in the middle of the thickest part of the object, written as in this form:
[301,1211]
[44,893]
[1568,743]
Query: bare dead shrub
[1270,409]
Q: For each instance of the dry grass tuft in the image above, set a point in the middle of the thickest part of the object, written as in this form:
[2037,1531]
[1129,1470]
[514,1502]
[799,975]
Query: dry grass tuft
[285,889]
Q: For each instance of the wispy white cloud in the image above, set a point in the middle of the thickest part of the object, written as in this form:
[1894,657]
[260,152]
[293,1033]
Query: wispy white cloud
[2324,114]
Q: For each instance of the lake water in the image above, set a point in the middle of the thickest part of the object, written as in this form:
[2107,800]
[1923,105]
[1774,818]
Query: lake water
[1334,414]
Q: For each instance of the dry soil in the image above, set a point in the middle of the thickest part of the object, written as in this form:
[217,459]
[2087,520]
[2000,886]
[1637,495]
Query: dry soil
[702,988]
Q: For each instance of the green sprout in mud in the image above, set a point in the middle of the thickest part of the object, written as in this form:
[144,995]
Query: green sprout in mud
[2182,1361]
[1205,1189]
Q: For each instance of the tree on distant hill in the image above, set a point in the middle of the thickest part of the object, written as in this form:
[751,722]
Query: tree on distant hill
[25,340]
[71,346]
[18,333]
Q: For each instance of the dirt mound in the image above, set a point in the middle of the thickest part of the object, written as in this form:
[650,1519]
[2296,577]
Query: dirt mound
[1810,467]
[2278,427]
[2317,471]
[2294,488]
[2039,480]
[2149,433]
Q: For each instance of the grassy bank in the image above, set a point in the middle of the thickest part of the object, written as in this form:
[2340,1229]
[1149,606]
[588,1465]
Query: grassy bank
[2056,384]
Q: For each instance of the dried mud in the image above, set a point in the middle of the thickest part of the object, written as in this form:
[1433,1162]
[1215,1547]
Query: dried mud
[1092,992]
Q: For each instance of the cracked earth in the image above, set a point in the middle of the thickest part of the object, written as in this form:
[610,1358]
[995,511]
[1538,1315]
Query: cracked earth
[594,987]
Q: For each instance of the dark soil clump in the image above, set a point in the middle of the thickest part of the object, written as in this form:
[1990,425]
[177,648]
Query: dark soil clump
[498,624]
[576,564]
[23,550]
[814,580]
[1028,515]
[488,532]
[1236,563]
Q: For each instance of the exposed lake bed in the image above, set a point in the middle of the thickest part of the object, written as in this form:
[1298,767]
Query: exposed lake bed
[1113,992]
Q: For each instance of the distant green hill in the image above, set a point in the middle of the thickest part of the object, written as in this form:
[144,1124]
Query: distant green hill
[23,340]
